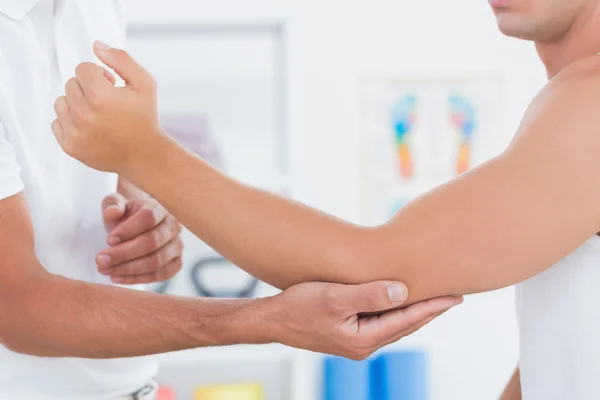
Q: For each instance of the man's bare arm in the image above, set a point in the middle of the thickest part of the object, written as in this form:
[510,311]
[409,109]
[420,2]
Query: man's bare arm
[494,226]
[46,315]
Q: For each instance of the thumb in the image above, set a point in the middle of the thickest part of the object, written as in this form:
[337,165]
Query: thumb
[134,75]
[378,296]
[114,207]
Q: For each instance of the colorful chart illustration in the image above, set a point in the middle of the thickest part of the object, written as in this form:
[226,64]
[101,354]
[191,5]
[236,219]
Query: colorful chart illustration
[404,119]
[463,118]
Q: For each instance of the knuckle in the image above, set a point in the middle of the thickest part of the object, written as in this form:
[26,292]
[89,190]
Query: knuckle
[373,297]
[80,113]
[71,83]
[148,217]
[152,241]
[95,97]
[84,67]
[57,127]
[121,54]
[155,261]
[177,227]
[59,104]
[179,246]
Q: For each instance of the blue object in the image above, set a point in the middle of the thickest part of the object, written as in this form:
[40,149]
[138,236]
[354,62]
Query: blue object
[400,376]
[345,379]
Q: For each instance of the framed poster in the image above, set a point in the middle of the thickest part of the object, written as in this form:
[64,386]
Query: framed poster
[418,132]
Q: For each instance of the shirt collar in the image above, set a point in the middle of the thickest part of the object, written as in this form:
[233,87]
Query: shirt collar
[17,9]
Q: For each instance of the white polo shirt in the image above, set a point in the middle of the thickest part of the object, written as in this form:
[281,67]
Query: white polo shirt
[41,43]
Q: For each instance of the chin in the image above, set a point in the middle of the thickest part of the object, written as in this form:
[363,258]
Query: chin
[513,26]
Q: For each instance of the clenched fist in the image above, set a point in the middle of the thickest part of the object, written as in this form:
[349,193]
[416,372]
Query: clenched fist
[107,127]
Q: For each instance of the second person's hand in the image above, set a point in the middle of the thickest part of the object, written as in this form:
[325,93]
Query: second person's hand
[326,317]
[106,127]
[144,241]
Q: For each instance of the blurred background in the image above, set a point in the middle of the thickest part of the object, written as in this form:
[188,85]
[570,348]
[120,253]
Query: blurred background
[353,107]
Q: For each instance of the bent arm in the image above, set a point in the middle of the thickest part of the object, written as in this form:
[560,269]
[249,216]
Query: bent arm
[497,225]
[46,315]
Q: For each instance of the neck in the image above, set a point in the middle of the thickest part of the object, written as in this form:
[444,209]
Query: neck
[580,41]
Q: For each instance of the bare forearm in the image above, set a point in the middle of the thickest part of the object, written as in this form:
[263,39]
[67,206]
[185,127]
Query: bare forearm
[513,389]
[487,230]
[55,317]
[278,240]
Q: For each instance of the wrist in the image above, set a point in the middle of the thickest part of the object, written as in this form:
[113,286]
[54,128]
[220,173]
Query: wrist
[250,324]
[148,159]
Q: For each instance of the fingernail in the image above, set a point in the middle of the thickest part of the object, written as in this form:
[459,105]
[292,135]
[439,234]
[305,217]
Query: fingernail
[118,280]
[101,46]
[397,293]
[105,271]
[113,240]
[104,259]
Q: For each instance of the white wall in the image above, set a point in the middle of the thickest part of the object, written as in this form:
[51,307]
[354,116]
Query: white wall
[333,42]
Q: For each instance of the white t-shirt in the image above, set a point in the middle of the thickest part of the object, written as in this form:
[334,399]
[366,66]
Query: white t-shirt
[41,43]
[559,324]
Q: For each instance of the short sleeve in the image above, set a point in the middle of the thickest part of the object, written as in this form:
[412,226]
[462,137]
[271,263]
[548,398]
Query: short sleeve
[10,170]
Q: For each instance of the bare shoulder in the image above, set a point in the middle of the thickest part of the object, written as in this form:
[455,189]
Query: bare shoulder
[567,109]
[584,72]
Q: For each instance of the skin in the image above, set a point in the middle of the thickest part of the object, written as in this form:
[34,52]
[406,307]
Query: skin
[457,239]
[37,309]
[150,248]
[513,389]
[541,185]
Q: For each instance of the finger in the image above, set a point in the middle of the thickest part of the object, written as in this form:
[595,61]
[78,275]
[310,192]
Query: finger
[150,263]
[374,297]
[92,80]
[408,332]
[74,93]
[140,246]
[63,114]
[394,322]
[58,131]
[163,274]
[125,66]
[143,220]
[113,207]
[109,75]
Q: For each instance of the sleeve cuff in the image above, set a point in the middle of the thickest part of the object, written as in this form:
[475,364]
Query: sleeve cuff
[10,187]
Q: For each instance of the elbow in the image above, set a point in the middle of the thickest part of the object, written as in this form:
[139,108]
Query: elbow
[17,322]
[385,254]
[367,255]
[10,337]
[11,342]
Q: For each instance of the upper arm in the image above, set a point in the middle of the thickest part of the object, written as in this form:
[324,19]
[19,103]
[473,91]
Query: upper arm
[16,237]
[513,388]
[18,263]
[512,217]
[17,252]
